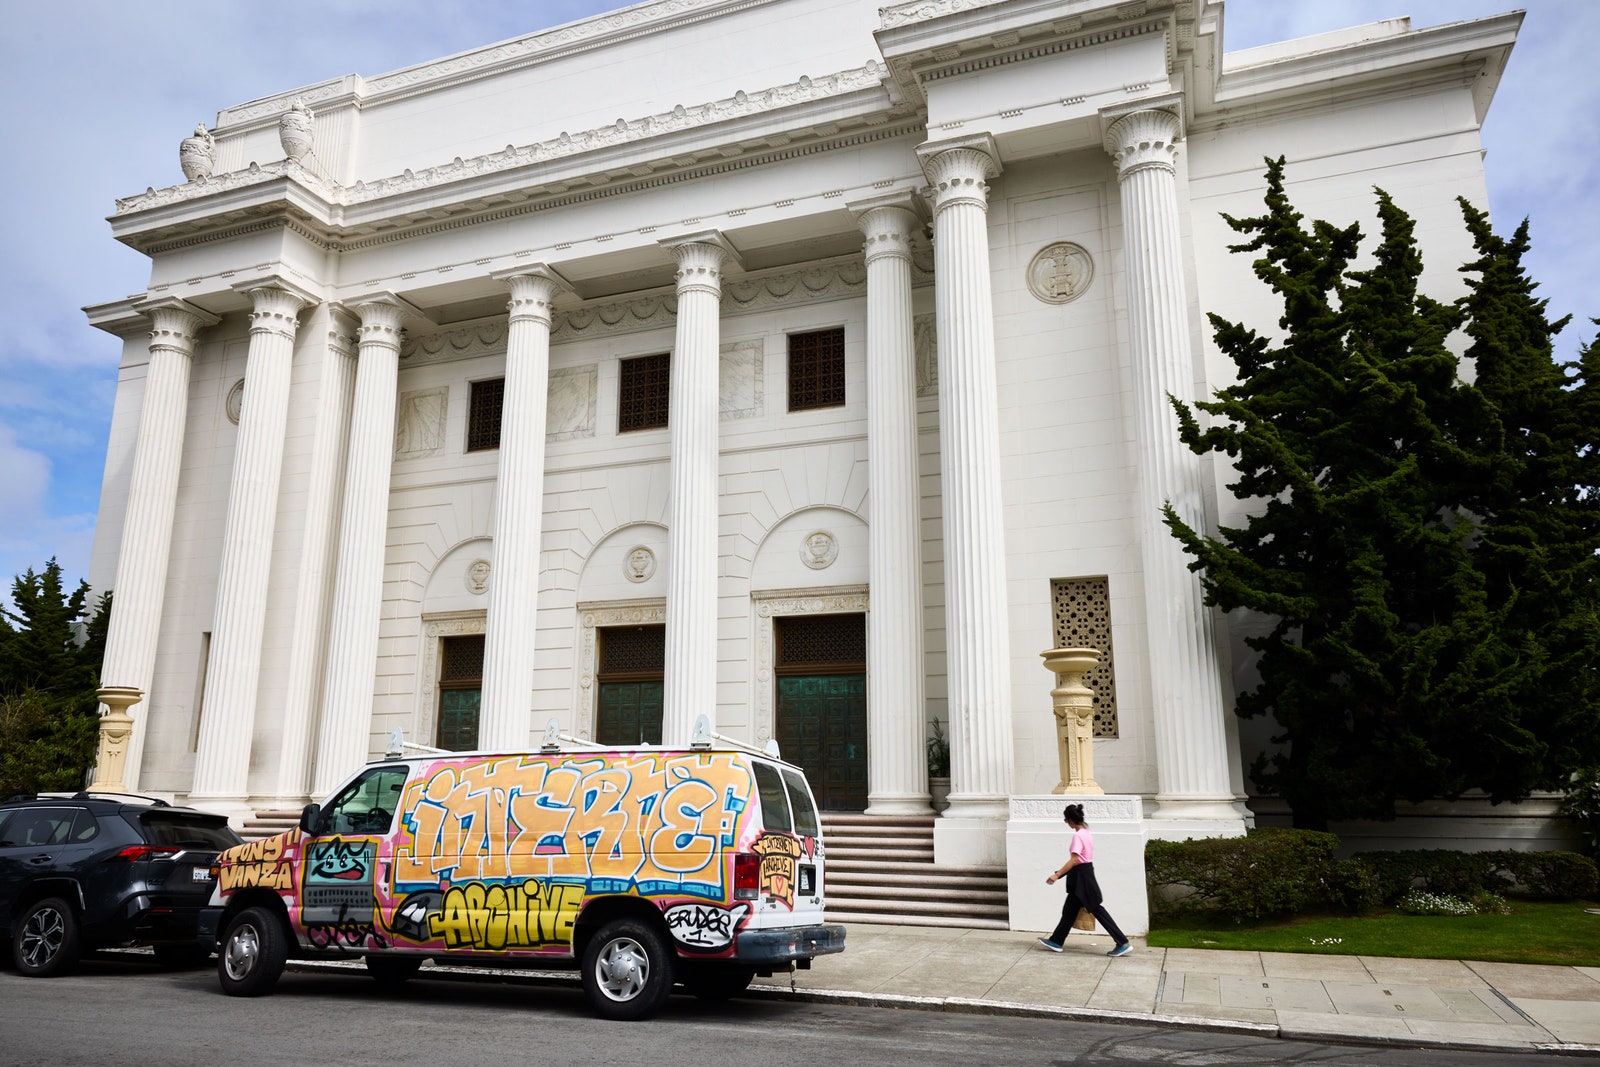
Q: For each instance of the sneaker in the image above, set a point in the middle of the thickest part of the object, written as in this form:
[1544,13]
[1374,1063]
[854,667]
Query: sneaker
[1049,944]
[1119,950]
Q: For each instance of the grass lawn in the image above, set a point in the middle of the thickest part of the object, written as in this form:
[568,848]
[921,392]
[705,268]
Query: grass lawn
[1535,932]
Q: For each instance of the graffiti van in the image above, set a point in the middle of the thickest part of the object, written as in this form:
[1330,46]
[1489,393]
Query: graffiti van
[645,867]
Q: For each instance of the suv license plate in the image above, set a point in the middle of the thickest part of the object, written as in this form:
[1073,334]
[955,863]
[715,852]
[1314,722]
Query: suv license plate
[200,874]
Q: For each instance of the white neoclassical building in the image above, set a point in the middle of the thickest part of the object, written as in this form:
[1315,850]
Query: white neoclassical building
[800,363]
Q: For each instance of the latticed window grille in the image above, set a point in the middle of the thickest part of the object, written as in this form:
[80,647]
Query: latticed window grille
[1082,609]
[644,392]
[483,415]
[633,650]
[462,660]
[822,641]
[816,369]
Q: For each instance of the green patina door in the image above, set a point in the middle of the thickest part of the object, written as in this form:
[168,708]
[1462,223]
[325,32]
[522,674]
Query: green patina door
[632,661]
[822,704]
[460,692]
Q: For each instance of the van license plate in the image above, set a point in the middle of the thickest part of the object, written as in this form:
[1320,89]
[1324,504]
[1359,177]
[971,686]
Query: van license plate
[808,880]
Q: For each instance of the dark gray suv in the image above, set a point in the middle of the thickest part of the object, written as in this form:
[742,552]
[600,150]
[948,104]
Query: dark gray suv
[102,869]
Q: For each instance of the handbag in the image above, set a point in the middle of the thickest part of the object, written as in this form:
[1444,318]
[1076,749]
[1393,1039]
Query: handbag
[1084,920]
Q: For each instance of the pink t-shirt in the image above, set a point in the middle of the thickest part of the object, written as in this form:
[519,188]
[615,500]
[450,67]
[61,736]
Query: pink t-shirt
[1083,845]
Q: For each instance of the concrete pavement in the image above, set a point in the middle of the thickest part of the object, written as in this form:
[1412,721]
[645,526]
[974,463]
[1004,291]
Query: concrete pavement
[1365,999]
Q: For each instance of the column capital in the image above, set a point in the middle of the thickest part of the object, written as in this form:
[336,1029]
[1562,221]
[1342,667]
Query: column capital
[1144,134]
[888,222]
[533,291]
[959,168]
[275,306]
[384,318]
[700,257]
[174,323]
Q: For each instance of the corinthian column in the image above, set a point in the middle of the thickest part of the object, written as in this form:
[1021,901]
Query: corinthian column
[222,758]
[1191,753]
[897,767]
[141,580]
[690,684]
[518,514]
[976,623]
[344,731]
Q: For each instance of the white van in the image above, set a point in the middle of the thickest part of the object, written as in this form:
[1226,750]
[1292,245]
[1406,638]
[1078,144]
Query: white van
[645,866]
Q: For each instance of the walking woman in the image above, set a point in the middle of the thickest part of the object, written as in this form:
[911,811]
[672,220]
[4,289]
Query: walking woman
[1082,889]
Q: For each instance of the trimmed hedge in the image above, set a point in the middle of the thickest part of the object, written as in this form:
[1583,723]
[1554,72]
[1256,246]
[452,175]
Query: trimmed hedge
[1275,872]
[1536,875]
[1270,871]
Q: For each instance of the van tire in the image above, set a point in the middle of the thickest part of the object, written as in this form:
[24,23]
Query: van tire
[392,972]
[45,941]
[715,984]
[627,970]
[253,954]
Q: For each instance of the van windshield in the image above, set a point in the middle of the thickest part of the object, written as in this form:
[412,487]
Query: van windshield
[774,801]
[805,813]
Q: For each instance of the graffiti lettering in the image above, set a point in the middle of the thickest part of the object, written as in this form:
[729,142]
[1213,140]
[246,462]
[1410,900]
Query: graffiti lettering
[778,853]
[495,917]
[256,863]
[651,822]
[353,934]
[340,861]
[704,926]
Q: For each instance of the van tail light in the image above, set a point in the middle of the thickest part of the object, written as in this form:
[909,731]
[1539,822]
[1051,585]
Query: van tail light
[746,876]
[133,853]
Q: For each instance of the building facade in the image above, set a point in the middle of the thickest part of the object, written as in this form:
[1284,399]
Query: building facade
[816,387]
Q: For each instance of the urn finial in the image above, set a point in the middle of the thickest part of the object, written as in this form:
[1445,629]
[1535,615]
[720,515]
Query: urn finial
[294,130]
[197,154]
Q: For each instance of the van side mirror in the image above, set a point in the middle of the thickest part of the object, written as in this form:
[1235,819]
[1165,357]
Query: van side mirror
[311,819]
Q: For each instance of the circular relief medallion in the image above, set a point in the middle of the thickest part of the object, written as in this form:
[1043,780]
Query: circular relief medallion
[640,564]
[235,401]
[819,550]
[1060,272]
[478,577]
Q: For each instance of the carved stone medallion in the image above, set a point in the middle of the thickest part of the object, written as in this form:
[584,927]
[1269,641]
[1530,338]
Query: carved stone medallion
[478,577]
[1060,272]
[819,550]
[639,564]
[235,402]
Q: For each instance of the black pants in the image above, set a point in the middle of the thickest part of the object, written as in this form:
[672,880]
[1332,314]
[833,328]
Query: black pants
[1069,912]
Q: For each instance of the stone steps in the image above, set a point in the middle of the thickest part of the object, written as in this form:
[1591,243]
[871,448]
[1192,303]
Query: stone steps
[881,870]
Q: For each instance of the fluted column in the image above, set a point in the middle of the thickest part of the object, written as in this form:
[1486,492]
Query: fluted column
[1191,753]
[346,721]
[690,682]
[222,758]
[976,623]
[141,579]
[518,515]
[314,591]
[897,767]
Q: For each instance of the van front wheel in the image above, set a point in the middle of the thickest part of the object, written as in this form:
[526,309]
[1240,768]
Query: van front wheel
[253,954]
[627,970]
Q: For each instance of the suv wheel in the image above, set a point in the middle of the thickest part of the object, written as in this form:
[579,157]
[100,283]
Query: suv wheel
[253,954]
[627,970]
[46,939]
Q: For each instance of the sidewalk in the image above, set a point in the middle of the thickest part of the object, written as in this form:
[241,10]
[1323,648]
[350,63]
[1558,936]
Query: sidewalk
[1362,999]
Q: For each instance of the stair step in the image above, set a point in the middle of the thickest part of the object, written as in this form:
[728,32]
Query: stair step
[839,818]
[928,894]
[929,869]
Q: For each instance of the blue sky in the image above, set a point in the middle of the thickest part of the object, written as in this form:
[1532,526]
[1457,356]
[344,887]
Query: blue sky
[99,93]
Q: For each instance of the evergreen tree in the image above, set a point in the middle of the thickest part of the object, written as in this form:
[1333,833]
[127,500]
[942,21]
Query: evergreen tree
[49,674]
[1397,665]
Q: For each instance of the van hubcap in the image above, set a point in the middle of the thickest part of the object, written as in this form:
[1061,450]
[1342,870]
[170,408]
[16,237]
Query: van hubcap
[42,937]
[243,949]
[623,968]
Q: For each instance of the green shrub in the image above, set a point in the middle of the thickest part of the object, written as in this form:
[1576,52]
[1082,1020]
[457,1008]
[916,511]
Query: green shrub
[1351,887]
[1446,872]
[1269,871]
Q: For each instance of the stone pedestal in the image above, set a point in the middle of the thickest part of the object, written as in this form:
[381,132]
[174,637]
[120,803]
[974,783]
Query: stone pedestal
[1038,842]
[1073,705]
[116,727]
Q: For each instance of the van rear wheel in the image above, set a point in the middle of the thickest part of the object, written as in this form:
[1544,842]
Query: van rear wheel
[254,951]
[627,970]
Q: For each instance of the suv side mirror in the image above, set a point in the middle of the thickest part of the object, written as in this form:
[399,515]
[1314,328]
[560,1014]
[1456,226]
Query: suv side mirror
[311,819]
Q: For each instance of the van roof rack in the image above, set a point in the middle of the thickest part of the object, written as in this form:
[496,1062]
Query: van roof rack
[553,739]
[703,737]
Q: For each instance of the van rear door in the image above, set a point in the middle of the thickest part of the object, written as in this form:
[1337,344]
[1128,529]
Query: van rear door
[790,847]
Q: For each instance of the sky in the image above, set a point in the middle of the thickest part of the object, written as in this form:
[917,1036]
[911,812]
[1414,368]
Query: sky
[99,93]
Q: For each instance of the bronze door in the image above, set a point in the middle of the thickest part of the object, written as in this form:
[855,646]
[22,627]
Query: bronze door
[822,704]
